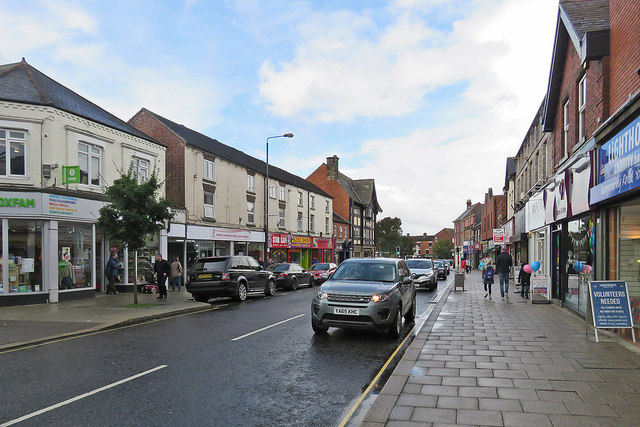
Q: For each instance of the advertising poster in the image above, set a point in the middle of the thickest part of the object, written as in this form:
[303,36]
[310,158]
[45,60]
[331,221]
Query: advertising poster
[610,304]
[540,291]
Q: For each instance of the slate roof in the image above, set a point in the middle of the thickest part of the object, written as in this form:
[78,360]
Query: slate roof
[363,191]
[470,210]
[586,24]
[20,82]
[338,218]
[213,146]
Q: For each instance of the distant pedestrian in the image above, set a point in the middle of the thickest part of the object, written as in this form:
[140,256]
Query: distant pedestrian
[463,265]
[162,269]
[261,262]
[525,281]
[176,275]
[488,279]
[111,271]
[503,267]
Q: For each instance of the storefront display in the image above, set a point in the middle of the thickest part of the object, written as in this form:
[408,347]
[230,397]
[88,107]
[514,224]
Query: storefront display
[24,262]
[75,247]
[578,262]
[628,242]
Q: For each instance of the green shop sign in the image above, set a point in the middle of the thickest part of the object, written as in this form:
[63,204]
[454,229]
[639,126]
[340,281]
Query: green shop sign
[17,203]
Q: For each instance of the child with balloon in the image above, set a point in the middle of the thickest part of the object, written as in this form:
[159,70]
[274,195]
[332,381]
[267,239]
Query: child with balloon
[524,277]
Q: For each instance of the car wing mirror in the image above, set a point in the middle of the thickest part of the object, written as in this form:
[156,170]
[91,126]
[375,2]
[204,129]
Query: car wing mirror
[407,280]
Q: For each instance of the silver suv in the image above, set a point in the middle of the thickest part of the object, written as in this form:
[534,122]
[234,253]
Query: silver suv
[366,293]
[423,273]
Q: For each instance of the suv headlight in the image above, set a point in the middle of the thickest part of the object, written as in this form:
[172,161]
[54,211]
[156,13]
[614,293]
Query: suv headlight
[381,297]
[321,295]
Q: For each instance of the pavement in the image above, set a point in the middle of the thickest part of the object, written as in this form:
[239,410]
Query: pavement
[475,361]
[33,324]
[509,363]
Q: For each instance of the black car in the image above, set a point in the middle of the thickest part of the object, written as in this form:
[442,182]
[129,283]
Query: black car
[290,276]
[228,276]
[442,269]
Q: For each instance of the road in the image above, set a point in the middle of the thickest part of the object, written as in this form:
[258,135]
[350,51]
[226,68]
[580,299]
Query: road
[253,363]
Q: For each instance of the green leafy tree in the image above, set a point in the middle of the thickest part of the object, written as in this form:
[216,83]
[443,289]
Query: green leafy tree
[443,249]
[389,233]
[135,211]
[407,246]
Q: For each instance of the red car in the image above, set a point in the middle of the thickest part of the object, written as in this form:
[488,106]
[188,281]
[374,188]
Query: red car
[321,271]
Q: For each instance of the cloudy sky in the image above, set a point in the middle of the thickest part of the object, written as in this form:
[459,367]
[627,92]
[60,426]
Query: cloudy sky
[428,97]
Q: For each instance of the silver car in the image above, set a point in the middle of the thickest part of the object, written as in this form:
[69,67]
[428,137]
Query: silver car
[366,293]
[423,273]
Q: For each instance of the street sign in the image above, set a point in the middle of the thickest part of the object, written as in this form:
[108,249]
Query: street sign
[610,305]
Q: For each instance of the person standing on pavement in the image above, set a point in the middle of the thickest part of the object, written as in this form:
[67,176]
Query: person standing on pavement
[525,281]
[111,271]
[503,267]
[488,279]
[162,269]
[176,275]
[463,265]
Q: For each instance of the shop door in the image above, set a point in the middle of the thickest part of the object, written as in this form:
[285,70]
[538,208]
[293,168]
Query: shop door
[556,264]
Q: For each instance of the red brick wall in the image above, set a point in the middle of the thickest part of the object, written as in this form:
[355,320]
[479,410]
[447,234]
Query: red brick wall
[624,16]
[175,175]
[333,188]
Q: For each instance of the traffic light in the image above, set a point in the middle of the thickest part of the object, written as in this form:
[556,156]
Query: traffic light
[398,250]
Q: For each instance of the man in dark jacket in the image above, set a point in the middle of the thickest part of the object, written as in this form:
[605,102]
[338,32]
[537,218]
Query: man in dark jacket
[162,269]
[503,267]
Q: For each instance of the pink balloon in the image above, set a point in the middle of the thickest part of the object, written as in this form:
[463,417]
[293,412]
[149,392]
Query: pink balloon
[527,268]
[586,269]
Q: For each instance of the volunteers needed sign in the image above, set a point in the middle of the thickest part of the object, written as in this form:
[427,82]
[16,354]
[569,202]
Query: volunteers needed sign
[610,304]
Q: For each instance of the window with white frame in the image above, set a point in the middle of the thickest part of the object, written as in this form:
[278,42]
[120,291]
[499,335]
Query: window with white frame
[327,227]
[299,198]
[251,183]
[208,204]
[335,230]
[299,221]
[251,210]
[272,191]
[341,232]
[582,103]
[312,222]
[209,170]
[326,208]
[140,168]
[90,162]
[565,134]
[12,153]
[281,217]
[282,192]
[312,201]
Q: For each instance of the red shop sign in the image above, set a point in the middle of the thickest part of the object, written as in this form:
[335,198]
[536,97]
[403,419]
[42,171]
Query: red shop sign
[278,240]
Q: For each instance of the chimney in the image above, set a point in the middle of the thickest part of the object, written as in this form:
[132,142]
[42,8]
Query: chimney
[468,203]
[332,168]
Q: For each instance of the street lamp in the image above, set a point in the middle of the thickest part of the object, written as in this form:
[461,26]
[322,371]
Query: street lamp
[266,196]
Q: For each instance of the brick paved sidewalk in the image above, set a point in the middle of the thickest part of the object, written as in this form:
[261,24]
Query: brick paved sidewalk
[509,363]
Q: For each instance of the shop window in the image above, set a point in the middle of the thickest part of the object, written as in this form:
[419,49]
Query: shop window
[146,259]
[25,256]
[629,253]
[12,153]
[75,252]
[90,162]
[580,241]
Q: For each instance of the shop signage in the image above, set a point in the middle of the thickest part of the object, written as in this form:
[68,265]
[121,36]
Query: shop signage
[48,205]
[17,202]
[578,177]
[301,242]
[62,205]
[227,234]
[619,164]
[324,243]
[540,286]
[610,305]
[498,235]
[535,215]
[70,174]
[556,200]
[278,240]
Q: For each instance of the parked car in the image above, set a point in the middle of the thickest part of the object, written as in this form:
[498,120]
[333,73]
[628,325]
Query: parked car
[446,265]
[290,276]
[321,271]
[442,269]
[423,273]
[366,293]
[228,276]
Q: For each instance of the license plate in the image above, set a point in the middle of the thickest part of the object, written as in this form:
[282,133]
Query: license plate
[205,276]
[347,311]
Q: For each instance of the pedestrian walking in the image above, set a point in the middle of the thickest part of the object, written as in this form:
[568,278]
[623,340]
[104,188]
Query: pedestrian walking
[525,281]
[488,279]
[176,275]
[162,270]
[463,265]
[503,267]
[111,271]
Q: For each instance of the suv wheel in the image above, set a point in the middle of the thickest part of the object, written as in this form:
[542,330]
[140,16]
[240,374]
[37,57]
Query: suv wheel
[271,288]
[318,329]
[411,314]
[396,329]
[242,292]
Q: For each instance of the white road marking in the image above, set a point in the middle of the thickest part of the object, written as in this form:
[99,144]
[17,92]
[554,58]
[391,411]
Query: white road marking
[82,396]
[265,328]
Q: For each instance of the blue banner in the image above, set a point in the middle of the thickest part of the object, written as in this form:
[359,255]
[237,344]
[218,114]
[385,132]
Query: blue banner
[610,304]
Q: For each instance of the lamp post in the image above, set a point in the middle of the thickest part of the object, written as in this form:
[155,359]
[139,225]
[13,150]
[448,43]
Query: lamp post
[266,196]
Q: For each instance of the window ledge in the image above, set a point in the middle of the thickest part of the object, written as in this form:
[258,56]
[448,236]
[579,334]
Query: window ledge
[208,219]
[209,181]
[251,192]
[251,224]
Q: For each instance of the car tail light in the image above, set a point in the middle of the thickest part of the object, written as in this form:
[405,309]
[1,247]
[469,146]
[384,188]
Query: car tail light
[282,275]
[226,276]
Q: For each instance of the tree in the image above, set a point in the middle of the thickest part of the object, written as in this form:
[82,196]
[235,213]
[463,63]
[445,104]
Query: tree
[443,249]
[134,212]
[389,233]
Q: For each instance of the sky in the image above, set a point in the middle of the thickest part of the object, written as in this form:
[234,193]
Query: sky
[427,97]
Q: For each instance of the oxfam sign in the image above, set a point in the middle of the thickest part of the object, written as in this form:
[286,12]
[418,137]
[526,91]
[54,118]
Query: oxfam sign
[17,202]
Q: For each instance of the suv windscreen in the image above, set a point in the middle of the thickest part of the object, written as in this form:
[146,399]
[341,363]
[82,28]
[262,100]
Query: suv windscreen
[366,271]
[438,264]
[418,263]
[210,264]
[320,267]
